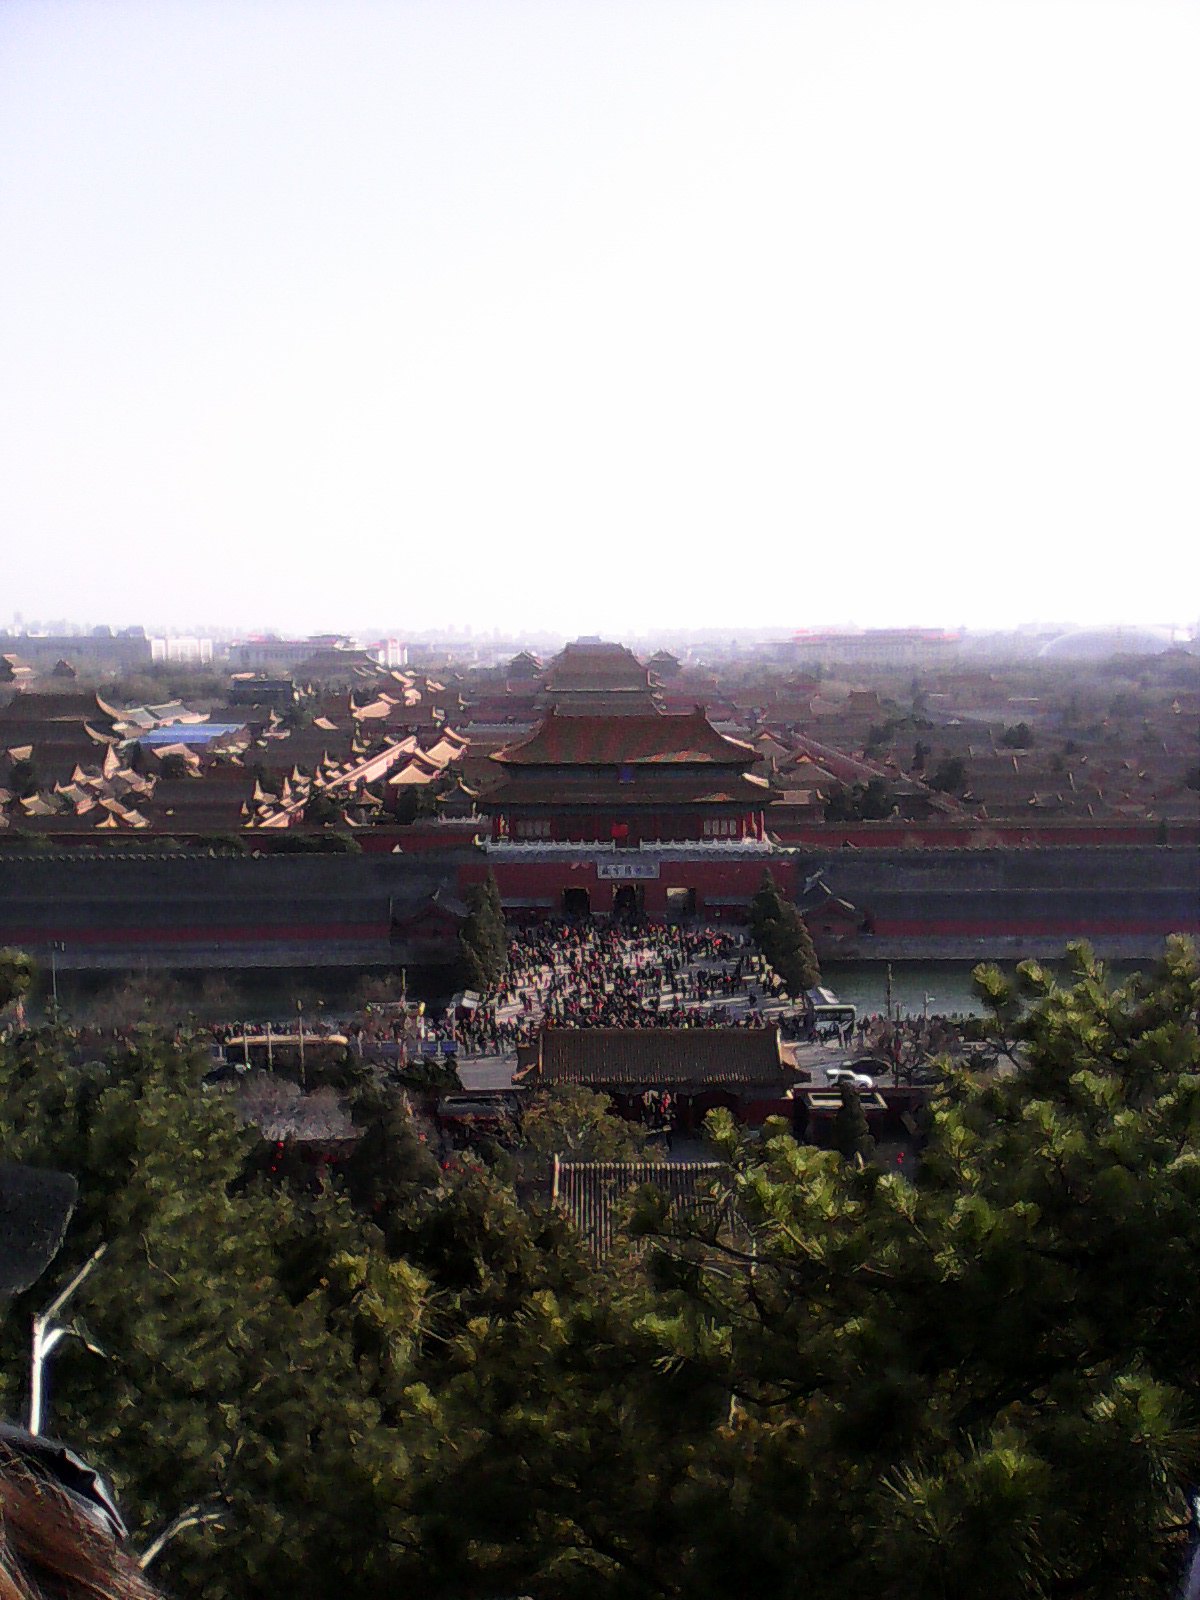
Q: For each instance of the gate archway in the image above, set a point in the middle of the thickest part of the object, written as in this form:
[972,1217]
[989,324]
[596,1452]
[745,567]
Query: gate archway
[576,903]
[629,900]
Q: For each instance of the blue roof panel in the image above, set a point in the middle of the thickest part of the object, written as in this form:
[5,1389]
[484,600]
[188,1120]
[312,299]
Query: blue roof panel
[191,733]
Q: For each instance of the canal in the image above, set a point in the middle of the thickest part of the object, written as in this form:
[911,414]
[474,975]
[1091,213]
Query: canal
[943,986]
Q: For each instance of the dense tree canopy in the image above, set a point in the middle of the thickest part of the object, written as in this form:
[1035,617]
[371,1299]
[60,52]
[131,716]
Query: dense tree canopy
[987,1383]
[576,1122]
[863,802]
[851,1135]
[401,1377]
[950,775]
[219,1379]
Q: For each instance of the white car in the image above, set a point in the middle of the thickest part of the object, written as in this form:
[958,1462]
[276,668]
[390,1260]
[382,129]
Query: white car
[836,1076]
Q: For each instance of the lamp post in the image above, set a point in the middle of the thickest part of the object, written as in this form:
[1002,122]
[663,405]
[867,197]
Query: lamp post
[300,1017]
[55,946]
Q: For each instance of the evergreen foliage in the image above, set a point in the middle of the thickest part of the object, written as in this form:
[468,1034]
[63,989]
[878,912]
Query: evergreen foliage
[173,766]
[24,779]
[950,775]
[218,1380]
[323,811]
[985,1384]
[781,934]
[18,973]
[483,940]
[832,1381]
[576,1122]
[851,1135]
[862,802]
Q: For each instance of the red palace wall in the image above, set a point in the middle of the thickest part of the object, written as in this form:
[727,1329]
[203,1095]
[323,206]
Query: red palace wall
[715,883]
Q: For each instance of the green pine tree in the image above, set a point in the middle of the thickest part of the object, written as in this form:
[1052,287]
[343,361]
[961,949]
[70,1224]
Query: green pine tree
[851,1134]
[981,1384]
[483,938]
[783,937]
[18,973]
[766,909]
[224,1375]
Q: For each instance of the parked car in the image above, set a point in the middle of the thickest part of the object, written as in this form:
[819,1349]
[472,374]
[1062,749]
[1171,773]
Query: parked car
[871,1065]
[922,1077]
[836,1076]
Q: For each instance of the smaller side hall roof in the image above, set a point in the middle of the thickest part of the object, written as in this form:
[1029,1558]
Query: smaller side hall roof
[659,1058]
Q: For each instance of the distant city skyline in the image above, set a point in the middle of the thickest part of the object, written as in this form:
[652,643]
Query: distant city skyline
[17,627]
[620,319]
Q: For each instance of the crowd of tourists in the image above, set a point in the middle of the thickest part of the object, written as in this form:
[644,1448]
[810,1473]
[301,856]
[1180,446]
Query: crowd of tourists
[604,975]
[600,974]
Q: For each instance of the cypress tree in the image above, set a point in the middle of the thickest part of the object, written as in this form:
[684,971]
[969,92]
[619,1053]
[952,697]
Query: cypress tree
[851,1134]
[783,937]
[483,938]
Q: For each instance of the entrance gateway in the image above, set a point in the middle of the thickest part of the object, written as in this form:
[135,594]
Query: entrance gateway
[576,903]
[629,900]
[681,903]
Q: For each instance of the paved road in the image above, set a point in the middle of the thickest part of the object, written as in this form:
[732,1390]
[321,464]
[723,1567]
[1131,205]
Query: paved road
[495,1072]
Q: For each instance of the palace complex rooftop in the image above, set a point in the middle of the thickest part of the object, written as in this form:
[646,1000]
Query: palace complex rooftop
[1044,745]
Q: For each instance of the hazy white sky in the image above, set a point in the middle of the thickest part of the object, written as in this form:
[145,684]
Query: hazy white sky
[593,316]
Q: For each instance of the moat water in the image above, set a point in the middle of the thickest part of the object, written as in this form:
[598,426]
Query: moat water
[942,987]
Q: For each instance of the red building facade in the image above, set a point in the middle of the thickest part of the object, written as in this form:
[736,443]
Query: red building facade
[655,813]
[629,780]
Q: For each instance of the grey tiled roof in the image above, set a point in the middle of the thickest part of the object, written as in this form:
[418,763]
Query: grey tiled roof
[661,1058]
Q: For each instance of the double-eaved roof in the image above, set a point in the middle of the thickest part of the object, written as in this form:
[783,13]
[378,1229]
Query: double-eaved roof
[593,664]
[656,739]
[629,1059]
